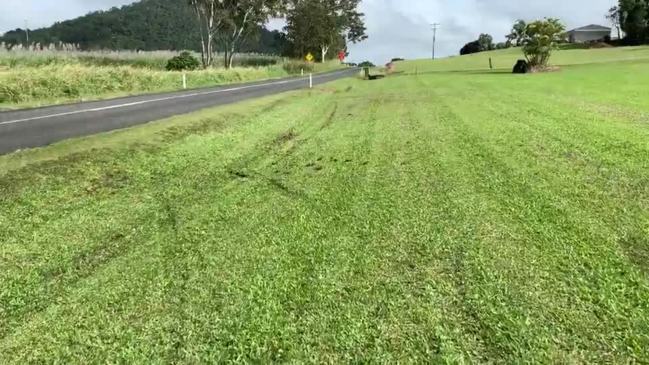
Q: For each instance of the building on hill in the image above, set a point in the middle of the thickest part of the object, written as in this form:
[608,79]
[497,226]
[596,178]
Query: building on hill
[589,33]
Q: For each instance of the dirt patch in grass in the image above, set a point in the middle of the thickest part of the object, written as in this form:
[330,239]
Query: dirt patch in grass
[330,118]
[238,174]
[111,181]
[286,137]
[540,69]
[275,104]
[204,126]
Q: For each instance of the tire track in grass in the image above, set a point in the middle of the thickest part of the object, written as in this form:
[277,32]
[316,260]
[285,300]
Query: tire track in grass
[88,260]
[72,284]
[295,256]
[310,265]
[258,155]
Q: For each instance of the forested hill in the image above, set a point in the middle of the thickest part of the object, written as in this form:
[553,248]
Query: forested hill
[145,25]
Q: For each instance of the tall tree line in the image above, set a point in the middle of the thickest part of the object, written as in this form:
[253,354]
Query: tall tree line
[227,24]
[145,25]
[316,26]
[323,27]
[211,26]
[632,16]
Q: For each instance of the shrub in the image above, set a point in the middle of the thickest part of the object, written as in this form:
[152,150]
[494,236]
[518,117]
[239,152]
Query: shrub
[185,61]
[261,61]
[471,47]
[541,37]
[366,64]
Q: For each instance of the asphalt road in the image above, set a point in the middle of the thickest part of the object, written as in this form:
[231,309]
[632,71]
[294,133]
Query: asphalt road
[28,128]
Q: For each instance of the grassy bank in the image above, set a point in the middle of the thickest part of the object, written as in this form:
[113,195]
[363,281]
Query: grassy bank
[443,217]
[505,59]
[44,78]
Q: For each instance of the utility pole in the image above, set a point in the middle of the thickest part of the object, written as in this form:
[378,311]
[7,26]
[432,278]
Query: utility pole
[434,25]
[27,31]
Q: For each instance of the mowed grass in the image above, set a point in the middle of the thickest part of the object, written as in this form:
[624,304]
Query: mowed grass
[504,60]
[443,217]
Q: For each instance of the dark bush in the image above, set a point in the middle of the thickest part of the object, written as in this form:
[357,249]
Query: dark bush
[471,47]
[366,64]
[397,59]
[296,67]
[182,62]
[256,62]
[521,67]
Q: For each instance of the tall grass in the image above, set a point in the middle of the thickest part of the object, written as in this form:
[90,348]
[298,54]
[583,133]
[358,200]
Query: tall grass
[155,60]
[54,83]
[32,78]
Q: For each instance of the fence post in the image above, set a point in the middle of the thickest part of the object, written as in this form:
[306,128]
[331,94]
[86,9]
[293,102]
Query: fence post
[310,81]
[184,80]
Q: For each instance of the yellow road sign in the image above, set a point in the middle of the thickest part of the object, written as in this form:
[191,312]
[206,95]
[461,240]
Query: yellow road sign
[309,57]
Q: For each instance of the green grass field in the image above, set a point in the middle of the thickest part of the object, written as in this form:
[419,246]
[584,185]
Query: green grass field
[457,217]
[504,60]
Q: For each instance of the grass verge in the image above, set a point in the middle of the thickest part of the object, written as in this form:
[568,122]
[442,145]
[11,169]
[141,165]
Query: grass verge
[444,217]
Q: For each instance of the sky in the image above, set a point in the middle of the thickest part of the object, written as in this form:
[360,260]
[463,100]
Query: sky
[396,28]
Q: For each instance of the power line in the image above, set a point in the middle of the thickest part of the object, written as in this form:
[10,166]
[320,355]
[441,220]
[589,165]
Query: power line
[435,26]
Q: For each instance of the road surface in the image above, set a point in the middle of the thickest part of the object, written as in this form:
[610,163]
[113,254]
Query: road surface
[28,128]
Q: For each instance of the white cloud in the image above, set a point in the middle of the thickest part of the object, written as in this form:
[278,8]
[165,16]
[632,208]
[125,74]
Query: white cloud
[42,13]
[400,28]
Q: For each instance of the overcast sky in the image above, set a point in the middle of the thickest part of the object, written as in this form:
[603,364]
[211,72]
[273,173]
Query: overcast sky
[397,28]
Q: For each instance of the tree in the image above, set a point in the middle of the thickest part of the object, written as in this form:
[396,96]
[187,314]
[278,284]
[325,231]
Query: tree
[184,61]
[486,42]
[614,15]
[241,18]
[208,25]
[471,47]
[311,29]
[517,33]
[541,37]
[319,25]
[634,17]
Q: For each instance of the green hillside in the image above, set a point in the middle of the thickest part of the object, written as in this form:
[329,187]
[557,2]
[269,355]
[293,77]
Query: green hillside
[144,25]
[504,60]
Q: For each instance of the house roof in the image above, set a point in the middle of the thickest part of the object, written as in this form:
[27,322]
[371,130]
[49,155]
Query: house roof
[592,28]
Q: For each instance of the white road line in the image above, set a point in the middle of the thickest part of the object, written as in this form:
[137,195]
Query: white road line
[125,105]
